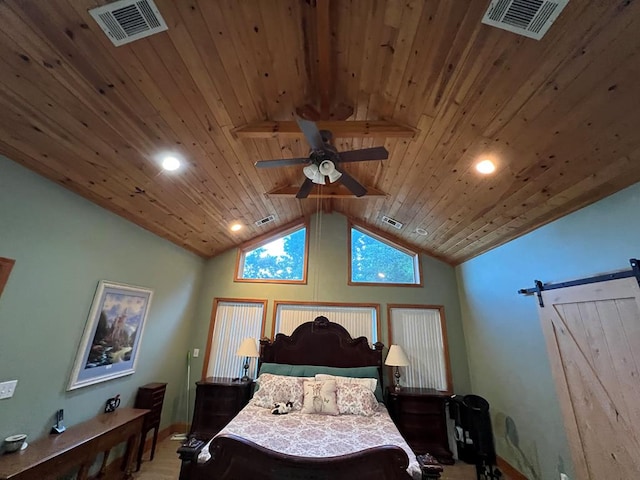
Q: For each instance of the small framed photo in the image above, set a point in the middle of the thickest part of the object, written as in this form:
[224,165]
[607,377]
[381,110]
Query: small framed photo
[112,334]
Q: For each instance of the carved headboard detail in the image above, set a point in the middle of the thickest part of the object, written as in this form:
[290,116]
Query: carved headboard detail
[321,342]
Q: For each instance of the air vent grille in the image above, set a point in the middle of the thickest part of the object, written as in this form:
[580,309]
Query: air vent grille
[392,222]
[128,20]
[265,220]
[531,18]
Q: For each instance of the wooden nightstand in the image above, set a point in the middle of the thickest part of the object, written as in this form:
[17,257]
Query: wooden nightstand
[150,396]
[218,400]
[420,415]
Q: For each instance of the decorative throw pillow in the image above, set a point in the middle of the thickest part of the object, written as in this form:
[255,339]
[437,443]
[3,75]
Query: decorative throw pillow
[278,388]
[320,398]
[370,383]
[355,399]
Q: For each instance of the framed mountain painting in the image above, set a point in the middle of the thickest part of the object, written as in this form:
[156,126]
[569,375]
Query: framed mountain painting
[112,335]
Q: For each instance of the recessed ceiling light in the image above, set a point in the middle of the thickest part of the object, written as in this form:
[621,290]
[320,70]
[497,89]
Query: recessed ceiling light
[421,231]
[170,163]
[485,167]
[235,227]
[381,275]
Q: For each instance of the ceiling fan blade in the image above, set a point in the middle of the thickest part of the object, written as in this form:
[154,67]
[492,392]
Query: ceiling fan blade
[305,189]
[375,153]
[284,162]
[351,183]
[311,133]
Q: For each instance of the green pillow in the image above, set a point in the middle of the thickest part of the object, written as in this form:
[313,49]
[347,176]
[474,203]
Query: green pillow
[311,370]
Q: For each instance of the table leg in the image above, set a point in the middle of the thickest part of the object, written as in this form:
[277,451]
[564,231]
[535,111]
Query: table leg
[83,472]
[141,450]
[103,467]
[132,448]
[155,440]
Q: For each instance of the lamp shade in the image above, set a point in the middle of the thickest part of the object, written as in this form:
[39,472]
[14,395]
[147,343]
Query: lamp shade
[326,167]
[335,175]
[396,357]
[318,179]
[310,171]
[248,348]
[313,173]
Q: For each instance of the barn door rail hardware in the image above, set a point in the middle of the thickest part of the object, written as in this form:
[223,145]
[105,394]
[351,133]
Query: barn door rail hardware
[540,287]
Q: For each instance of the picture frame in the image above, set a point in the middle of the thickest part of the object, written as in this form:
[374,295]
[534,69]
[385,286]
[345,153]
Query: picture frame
[112,334]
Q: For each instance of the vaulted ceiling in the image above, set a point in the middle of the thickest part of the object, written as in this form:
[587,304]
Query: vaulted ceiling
[558,116]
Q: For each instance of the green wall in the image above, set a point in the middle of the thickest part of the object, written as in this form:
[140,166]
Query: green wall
[327,282]
[507,354]
[63,246]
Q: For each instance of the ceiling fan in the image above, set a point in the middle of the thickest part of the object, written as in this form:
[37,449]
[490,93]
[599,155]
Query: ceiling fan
[324,161]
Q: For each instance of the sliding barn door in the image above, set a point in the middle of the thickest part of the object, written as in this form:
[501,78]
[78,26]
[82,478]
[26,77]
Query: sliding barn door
[593,338]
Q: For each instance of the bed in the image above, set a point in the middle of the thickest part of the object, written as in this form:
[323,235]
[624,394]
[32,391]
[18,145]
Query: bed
[259,445]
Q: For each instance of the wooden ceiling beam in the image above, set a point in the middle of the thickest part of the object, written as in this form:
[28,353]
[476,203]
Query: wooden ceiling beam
[327,191]
[340,129]
[323,32]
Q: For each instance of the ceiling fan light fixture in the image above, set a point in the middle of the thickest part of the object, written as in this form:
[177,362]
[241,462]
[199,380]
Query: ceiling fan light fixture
[334,176]
[310,171]
[327,167]
[318,178]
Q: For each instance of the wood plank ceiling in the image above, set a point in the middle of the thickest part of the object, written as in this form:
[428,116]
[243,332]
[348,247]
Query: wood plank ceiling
[559,116]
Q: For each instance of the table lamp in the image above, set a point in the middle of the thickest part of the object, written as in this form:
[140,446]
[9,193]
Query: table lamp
[248,350]
[396,358]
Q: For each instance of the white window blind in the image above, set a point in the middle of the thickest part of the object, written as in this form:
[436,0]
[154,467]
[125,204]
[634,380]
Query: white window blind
[419,332]
[358,321]
[234,321]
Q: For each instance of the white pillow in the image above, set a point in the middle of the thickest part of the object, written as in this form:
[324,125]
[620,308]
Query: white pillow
[370,383]
[320,398]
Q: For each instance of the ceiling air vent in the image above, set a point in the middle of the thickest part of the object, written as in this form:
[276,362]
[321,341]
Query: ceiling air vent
[531,18]
[392,222]
[128,20]
[265,220]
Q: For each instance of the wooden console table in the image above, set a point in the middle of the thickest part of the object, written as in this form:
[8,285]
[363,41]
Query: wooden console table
[52,456]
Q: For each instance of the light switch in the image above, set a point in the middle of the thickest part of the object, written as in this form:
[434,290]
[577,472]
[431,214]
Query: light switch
[564,476]
[196,352]
[7,388]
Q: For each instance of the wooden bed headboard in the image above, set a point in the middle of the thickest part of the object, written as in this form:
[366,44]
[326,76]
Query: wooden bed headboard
[319,343]
[324,343]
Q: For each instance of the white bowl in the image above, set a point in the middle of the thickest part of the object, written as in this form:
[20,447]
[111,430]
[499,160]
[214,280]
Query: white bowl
[14,442]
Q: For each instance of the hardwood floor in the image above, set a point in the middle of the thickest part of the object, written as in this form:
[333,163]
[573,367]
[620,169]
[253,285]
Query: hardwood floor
[166,466]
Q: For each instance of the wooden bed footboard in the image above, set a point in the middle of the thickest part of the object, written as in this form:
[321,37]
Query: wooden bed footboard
[321,343]
[235,458]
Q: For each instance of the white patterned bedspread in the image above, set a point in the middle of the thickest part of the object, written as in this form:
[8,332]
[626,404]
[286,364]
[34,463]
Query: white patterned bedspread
[317,435]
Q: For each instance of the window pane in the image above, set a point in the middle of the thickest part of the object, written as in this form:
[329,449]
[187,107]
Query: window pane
[358,321]
[419,332]
[280,259]
[234,321]
[373,261]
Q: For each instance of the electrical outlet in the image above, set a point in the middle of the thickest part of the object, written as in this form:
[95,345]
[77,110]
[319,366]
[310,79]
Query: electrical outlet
[564,476]
[7,388]
[196,352]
